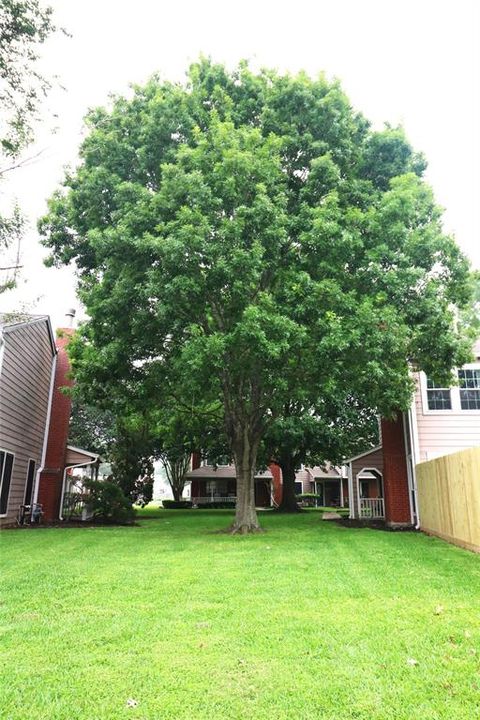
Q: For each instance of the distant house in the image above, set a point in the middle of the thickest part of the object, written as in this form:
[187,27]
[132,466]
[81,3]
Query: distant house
[217,483]
[328,482]
[441,421]
[34,418]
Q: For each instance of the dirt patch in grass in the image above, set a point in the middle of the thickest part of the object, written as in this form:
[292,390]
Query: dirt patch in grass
[374,525]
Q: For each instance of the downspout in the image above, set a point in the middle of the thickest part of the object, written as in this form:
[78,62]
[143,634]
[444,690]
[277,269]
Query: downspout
[412,423]
[2,349]
[47,428]
[408,461]
[351,514]
[70,467]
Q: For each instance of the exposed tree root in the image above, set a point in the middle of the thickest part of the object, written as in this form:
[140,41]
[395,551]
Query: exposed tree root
[244,529]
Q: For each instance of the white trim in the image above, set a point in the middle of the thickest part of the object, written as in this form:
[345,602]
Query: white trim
[70,467]
[456,409]
[412,416]
[376,473]
[23,323]
[2,350]
[407,440]
[83,452]
[350,492]
[367,452]
[7,452]
[47,428]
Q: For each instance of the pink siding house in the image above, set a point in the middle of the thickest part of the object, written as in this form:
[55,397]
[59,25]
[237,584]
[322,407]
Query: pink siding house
[441,421]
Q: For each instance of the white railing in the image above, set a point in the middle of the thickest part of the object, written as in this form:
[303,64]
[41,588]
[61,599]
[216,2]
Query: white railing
[213,499]
[372,508]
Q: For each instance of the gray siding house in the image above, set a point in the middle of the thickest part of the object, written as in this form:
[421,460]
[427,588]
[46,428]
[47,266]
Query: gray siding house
[27,367]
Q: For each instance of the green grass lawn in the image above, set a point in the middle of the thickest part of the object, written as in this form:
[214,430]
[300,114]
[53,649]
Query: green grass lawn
[309,620]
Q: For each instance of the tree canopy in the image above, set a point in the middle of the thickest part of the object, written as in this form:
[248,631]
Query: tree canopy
[24,26]
[250,236]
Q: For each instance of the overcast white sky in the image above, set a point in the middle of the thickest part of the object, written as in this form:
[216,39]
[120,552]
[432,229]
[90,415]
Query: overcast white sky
[410,62]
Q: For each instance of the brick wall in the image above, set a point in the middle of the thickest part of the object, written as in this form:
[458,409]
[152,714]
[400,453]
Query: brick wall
[395,478]
[277,482]
[51,478]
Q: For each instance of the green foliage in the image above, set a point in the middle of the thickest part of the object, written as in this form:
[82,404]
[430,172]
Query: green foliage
[132,467]
[24,26]
[247,242]
[217,505]
[107,502]
[91,428]
[176,504]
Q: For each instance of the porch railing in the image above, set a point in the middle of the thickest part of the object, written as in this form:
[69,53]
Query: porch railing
[214,499]
[372,508]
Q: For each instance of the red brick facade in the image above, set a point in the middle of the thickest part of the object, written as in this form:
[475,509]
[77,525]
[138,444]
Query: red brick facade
[276,483]
[395,476]
[51,478]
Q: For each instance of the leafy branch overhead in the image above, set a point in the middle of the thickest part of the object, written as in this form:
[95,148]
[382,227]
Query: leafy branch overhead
[24,27]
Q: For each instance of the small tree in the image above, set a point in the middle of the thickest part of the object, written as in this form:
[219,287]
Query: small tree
[176,467]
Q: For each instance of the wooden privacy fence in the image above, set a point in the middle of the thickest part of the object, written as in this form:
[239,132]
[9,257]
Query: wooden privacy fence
[449,497]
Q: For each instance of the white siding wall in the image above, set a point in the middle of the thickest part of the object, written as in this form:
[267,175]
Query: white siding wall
[441,432]
[24,392]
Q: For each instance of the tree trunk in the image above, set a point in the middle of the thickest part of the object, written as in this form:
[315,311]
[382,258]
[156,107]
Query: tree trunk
[289,502]
[177,492]
[245,453]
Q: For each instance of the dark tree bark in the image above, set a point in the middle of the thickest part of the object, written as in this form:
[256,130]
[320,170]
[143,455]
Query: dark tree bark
[245,450]
[289,502]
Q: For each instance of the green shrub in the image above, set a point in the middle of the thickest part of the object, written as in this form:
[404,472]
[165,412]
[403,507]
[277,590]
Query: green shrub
[176,504]
[221,505]
[309,499]
[107,502]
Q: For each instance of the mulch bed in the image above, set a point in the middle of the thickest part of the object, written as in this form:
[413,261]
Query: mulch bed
[373,524]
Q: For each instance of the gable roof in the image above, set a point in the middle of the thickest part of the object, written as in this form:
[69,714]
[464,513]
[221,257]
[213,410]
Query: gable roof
[326,471]
[364,454]
[11,322]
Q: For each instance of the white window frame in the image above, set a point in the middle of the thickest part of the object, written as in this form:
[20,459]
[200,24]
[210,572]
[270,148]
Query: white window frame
[456,408]
[7,452]
[466,410]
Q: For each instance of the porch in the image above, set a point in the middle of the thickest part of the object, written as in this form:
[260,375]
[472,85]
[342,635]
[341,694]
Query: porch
[221,489]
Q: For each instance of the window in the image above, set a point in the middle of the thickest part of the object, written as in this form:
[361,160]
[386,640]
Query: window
[6,465]
[364,488]
[438,397]
[29,486]
[221,461]
[217,488]
[469,381]
[298,488]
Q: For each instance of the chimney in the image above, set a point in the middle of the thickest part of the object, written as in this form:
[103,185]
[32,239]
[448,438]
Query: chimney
[70,314]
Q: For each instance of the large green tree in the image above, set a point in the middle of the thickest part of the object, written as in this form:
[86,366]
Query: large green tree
[245,229]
